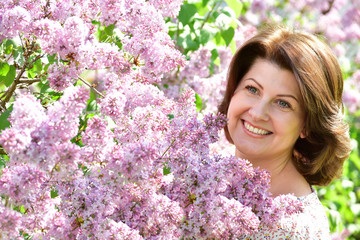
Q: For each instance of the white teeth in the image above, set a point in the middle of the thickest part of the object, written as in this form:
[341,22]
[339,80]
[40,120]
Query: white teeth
[255,130]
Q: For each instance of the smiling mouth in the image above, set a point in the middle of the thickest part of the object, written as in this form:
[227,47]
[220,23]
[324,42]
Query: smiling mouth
[255,130]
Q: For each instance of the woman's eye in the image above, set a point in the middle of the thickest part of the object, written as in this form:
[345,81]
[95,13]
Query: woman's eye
[284,104]
[251,89]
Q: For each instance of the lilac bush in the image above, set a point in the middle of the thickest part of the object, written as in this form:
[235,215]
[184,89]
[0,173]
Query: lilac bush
[134,157]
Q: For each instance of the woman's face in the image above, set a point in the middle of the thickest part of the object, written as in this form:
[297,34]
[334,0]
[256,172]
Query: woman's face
[266,113]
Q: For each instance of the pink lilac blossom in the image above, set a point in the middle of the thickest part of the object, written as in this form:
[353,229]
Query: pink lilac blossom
[141,203]
[357,57]
[113,104]
[98,140]
[135,166]
[336,32]
[110,177]
[64,113]
[21,184]
[112,11]
[351,99]
[98,55]
[34,7]
[12,21]
[168,8]
[62,10]
[14,141]
[10,223]
[75,33]
[48,134]
[197,66]
[27,112]
[243,33]
[117,230]
[62,76]
[141,95]
[341,236]
[229,219]
[85,203]
[50,35]
[157,51]
[355,79]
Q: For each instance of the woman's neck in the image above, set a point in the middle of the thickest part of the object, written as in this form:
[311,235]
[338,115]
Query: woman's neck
[285,178]
[288,180]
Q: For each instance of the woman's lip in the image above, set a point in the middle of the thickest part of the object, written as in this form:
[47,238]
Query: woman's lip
[252,133]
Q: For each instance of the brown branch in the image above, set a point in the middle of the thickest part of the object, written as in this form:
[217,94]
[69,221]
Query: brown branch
[331,3]
[2,152]
[2,109]
[89,85]
[29,81]
[8,94]
[213,8]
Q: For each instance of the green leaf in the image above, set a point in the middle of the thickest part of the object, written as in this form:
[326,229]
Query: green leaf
[191,44]
[36,69]
[109,30]
[51,58]
[214,54]
[4,123]
[219,39]
[38,66]
[198,102]
[54,193]
[166,170]
[91,106]
[235,5]
[45,89]
[4,68]
[205,36]
[9,48]
[205,2]
[187,11]
[18,54]
[228,35]
[9,77]
[180,42]
[202,9]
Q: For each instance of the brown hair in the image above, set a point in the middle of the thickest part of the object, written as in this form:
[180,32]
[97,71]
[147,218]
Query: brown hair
[317,71]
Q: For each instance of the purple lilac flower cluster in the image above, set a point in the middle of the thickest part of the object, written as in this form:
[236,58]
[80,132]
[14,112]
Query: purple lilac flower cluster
[115,181]
[142,168]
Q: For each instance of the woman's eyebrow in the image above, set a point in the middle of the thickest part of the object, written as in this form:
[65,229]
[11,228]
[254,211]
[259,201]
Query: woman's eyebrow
[288,95]
[252,79]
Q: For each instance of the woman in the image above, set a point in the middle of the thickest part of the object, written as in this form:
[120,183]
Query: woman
[284,104]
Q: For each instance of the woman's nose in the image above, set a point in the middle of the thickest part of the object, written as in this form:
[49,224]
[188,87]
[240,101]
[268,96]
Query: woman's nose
[259,111]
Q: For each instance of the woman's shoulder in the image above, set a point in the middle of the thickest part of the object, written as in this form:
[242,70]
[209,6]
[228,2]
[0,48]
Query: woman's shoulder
[311,223]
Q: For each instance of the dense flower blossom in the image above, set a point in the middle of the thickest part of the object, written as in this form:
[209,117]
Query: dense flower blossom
[113,104]
[117,230]
[27,112]
[21,184]
[198,66]
[351,99]
[145,164]
[61,76]
[50,34]
[14,20]
[102,55]
[10,223]
[168,8]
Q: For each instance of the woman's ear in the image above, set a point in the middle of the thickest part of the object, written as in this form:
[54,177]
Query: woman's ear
[303,133]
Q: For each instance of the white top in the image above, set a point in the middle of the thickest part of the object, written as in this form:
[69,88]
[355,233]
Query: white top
[311,224]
